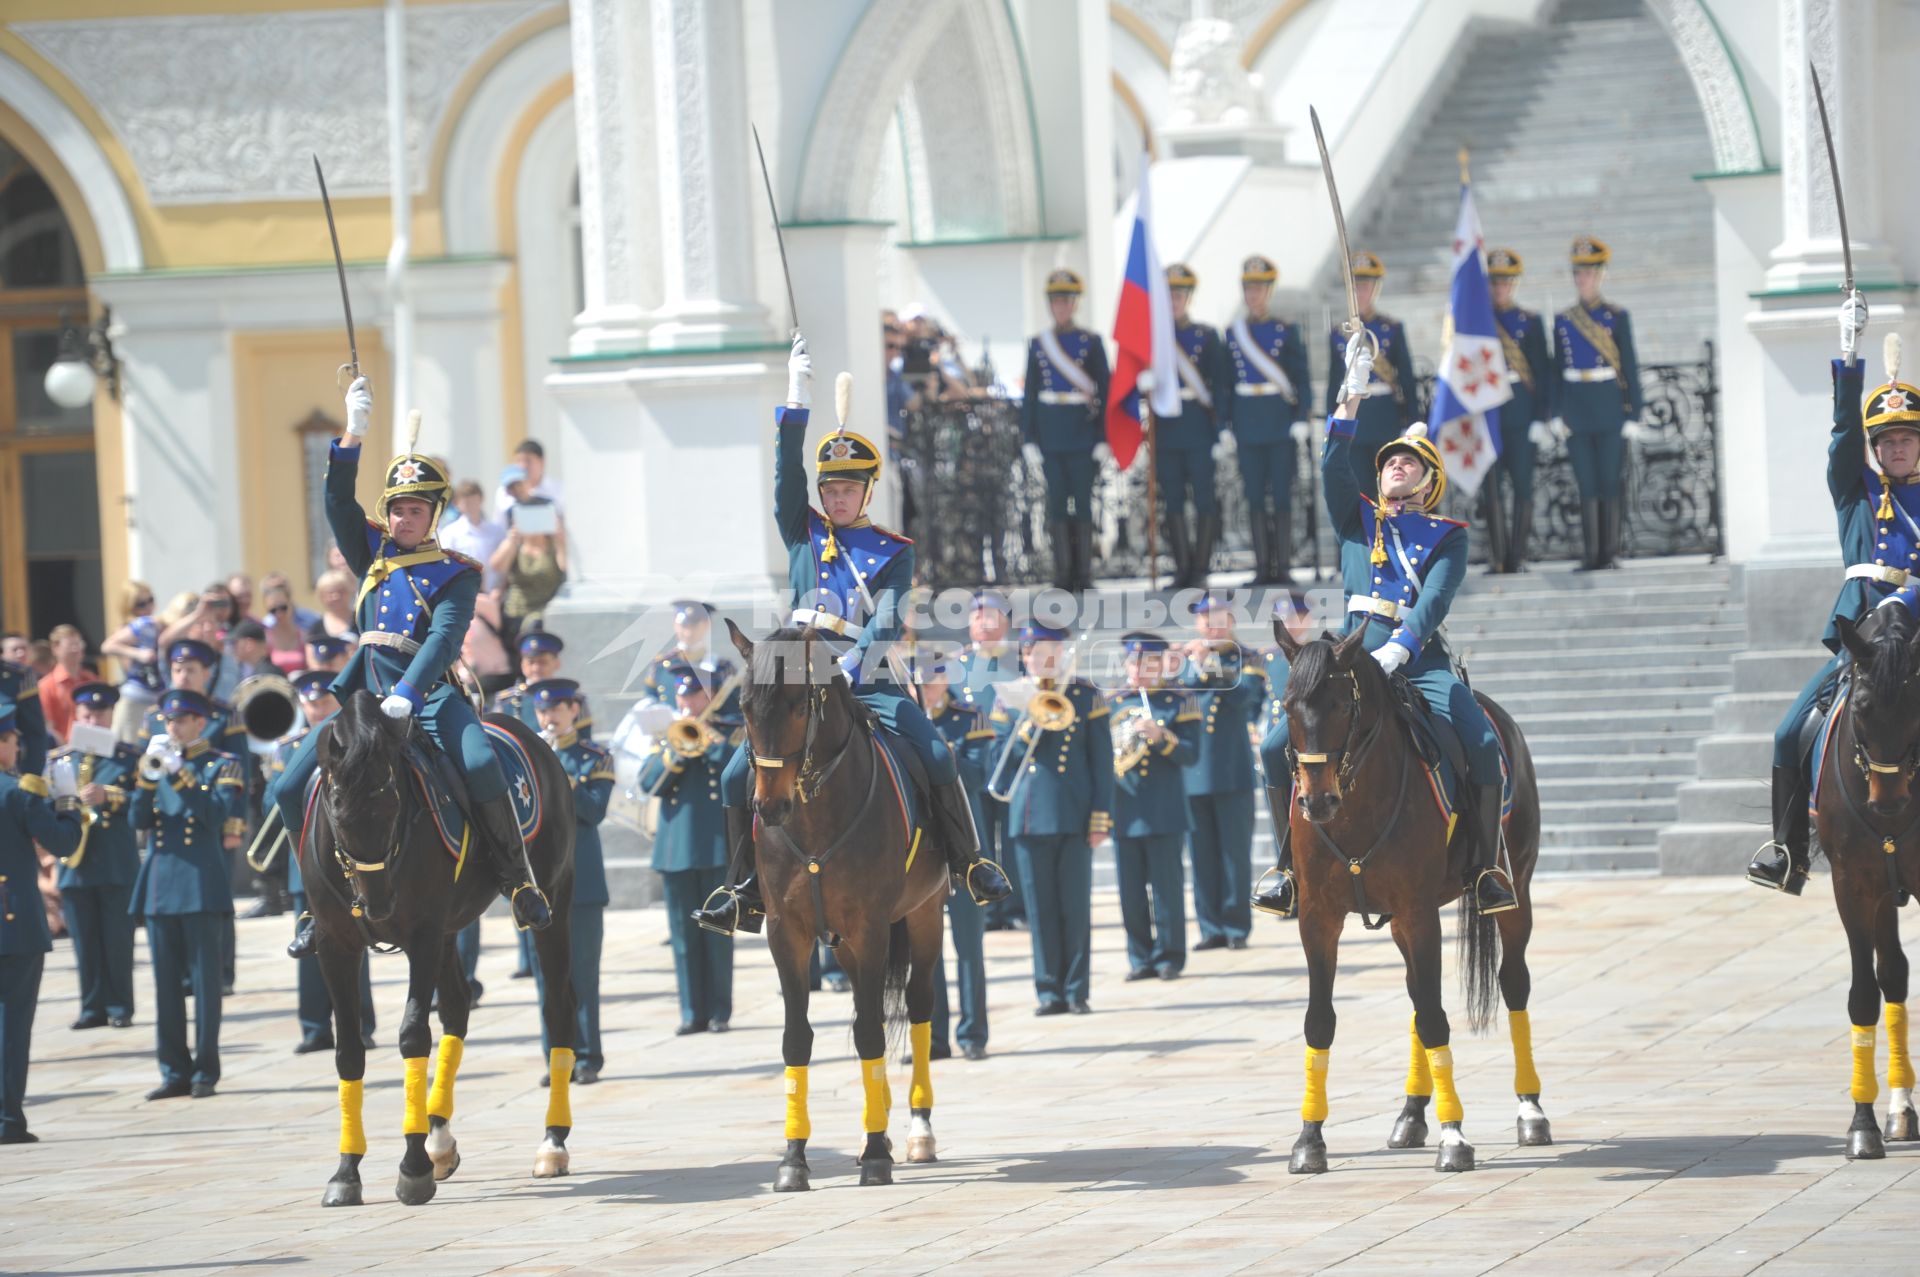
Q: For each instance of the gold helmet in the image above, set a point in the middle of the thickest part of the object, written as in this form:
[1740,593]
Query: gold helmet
[846,455]
[1433,488]
[1368,265]
[1589,251]
[1895,405]
[1180,275]
[1259,270]
[1503,263]
[414,475]
[1064,283]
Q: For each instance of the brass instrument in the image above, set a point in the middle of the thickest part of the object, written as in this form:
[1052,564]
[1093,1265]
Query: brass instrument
[152,769]
[88,819]
[1130,743]
[258,860]
[1046,711]
[268,708]
[693,736]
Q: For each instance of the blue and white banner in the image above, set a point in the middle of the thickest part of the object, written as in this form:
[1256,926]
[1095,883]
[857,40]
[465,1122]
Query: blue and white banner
[1472,378]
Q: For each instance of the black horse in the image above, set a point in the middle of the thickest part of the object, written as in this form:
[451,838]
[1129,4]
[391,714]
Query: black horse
[378,873]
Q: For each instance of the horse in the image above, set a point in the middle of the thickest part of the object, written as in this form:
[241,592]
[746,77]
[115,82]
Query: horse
[378,873]
[1369,839]
[841,859]
[1866,820]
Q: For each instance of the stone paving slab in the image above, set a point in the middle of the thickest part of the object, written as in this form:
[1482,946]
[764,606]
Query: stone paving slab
[1691,1034]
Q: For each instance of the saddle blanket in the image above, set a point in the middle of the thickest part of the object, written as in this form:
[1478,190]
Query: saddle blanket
[523,790]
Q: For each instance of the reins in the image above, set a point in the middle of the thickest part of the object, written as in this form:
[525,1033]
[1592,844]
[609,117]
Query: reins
[1346,766]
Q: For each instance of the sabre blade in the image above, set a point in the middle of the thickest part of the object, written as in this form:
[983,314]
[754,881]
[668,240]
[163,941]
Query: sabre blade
[340,269]
[1354,324]
[1833,167]
[779,239]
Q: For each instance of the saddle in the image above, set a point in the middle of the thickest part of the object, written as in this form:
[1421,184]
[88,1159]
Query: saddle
[443,789]
[1438,746]
[1831,692]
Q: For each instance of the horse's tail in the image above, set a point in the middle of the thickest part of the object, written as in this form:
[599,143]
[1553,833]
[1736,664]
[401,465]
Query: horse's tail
[893,997]
[1479,964]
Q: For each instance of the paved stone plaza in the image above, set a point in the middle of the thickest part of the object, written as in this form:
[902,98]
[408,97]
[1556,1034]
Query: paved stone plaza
[1691,1035]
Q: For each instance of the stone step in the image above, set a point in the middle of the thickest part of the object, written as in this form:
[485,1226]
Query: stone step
[1721,849]
[1725,801]
[1550,706]
[1675,639]
[1711,656]
[1735,756]
[1597,860]
[1772,672]
[1600,834]
[1652,812]
[1607,787]
[1675,767]
[1748,712]
[1522,591]
[1679,727]
[1590,620]
[1489,677]
[1552,740]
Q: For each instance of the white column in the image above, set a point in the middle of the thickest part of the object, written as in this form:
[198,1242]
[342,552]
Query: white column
[613,107]
[836,277]
[709,189]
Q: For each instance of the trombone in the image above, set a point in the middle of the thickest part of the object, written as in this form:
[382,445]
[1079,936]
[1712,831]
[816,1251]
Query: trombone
[691,737]
[1046,711]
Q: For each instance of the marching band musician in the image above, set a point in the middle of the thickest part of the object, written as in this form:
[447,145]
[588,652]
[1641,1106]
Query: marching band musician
[1387,404]
[193,798]
[1224,678]
[1156,732]
[1062,421]
[1263,397]
[31,811]
[539,660]
[1055,773]
[20,688]
[1186,446]
[965,728]
[692,650]
[96,882]
[690,847]
[1523,427]
[590,772]
[314,1005]
[1595,397]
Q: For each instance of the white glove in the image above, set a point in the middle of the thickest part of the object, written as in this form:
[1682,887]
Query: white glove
[359,407]
[62,779]
[1392,656]
[1853,322]
[1559,427]
[1301,431]
[1102,454]
[850,665]
[159,745]
[396,706]
[1144,382]
[1031,451]
[1540,434]
[1632,431]
[1359,366]
[170,758]
[799,374]
[1221,448]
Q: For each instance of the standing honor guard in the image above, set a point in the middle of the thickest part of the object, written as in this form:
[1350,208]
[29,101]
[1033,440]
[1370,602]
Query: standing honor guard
[970,738]
[1185,447]
[1156,734]
[1062,414]
[691,650]
[96,880]
[590,772]
[193,799]
[1401,565]
[313,1004]
[1873,472]
[991,658]
[1594,398]
[1054,769]
[1228,692]
[690,844]
[849,578]
[31,811]
[1263,399]
[1387,404]
[20,688]
[1523,418]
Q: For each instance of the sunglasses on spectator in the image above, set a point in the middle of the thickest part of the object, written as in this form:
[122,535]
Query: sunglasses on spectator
[278,608]
[144,601]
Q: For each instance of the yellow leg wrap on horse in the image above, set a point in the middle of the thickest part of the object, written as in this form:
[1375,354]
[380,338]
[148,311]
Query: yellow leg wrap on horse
[873,1080]
[1419,1080]
[1313,1104]
[559,1078]
[445,1069]
[414,1120]
[1520,1028]
[1864,1086]
[1446,1100]
[799,1125]
[1899,1063]
[353,1132]
[921,1035]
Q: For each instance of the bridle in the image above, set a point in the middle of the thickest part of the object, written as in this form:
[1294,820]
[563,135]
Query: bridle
[808,779]
[1346,765]
[1349,757]
[352,868]
[1868,767]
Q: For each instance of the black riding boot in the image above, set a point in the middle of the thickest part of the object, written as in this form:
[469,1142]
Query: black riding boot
[1280,543]
[1522,532]
[1204,537]
[1280,899]
[983,879]
[501,828]
[1081,530]
[1496,527]
[1610,533]
[1591,549]
[1486,881]
[1782,863]
[1179,551]
[1062,544]
[738,907]
[1262,550]
[304,942]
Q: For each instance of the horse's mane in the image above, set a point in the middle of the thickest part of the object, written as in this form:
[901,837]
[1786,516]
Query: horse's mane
[358,736]
[1308,672]
[775,663]
[1887,673]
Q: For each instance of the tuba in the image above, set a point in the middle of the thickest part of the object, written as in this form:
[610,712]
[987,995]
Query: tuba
[1047,710]
[267,707]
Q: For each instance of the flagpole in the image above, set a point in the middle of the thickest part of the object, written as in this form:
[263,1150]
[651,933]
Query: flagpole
[1153,498]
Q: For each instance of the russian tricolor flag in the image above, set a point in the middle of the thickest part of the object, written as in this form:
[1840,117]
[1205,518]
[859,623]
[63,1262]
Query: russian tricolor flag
[1472,376]
[1143,332]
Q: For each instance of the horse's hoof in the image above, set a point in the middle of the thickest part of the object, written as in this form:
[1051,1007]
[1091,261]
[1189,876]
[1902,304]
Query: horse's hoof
[444,1167]
[443,1149]
[1903,1125]
[791,1179]
[876,1170]
[1409,1131]
[1532,1132]
[1309,1154]
[342,1193]
[921,1148]
[414,1190]
[1864,1145]
[1455,1153]
[550,1162]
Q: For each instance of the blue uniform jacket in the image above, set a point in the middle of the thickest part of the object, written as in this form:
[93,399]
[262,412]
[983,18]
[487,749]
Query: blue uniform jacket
[1531,376]
[111,859]
[1865,538]
[590,771]
[189,813]
[965,729]
[21,685]
[1393,374]
[1199,423]
[1572,350]
[26,817]
[1426,561]
[1229,694]
[1251,406]
[272,765]
[826,566]
[691,832]
[1056,414]
[1067,786]
[515,703]
[981,668]
[224,732]
[1151,796]
[425,595]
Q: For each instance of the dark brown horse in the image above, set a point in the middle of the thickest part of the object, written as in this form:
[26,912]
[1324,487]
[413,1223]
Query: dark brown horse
[1369,838]
[1867,822]
[377,872]
[838,858]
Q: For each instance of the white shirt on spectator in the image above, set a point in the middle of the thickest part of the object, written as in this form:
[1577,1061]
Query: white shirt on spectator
[548,488]
[476,541]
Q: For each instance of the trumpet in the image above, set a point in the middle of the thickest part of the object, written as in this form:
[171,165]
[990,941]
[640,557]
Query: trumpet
[691,737]
[1046,711]
[151,768]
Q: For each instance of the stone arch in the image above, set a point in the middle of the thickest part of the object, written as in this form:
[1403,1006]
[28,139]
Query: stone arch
[479,137]
[1717,82]
[78,169]
[979,181]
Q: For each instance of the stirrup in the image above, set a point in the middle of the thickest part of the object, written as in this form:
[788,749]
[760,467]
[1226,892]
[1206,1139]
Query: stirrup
[514,896]
[305,933]
[744,918]
[1795,879]
[1286,885]
[966,880]
[1500,875]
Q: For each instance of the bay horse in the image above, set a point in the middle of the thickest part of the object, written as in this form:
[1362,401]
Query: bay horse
[1369,838]
[378,873]
[1867,818]
[839,856]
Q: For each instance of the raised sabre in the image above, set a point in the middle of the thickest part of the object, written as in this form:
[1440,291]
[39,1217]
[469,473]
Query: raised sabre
[352,366]
[780,240]
[1353,324]
[1839,203]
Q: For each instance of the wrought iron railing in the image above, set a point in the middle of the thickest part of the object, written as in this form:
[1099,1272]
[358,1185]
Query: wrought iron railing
[977,509]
